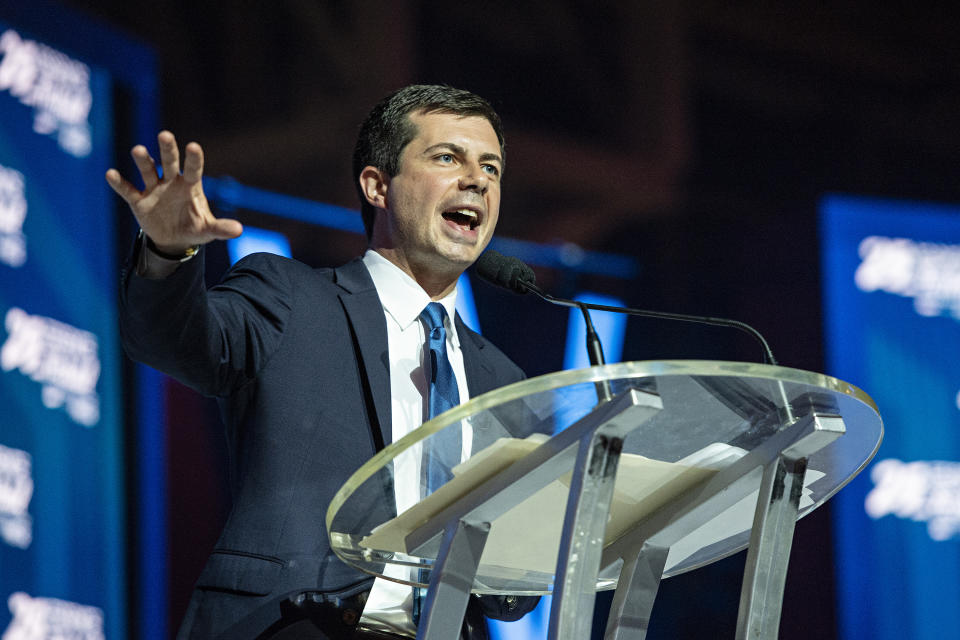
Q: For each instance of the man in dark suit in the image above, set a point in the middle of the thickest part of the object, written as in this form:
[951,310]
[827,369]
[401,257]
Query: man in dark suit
[316,370]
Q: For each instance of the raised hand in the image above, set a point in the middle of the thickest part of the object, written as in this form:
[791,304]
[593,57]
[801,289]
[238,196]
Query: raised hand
[172,211]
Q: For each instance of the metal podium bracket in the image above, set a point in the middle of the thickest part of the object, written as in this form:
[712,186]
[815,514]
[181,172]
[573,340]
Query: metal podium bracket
[778,503]
[731,484]
[588,508]
[452,579]
[633,600]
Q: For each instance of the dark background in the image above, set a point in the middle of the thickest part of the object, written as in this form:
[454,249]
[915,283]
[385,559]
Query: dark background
[697,137]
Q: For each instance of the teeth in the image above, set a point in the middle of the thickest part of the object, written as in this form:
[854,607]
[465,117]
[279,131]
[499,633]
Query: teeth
[472,217]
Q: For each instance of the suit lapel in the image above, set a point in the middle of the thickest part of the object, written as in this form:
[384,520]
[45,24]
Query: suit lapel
[480,373]
[365,314]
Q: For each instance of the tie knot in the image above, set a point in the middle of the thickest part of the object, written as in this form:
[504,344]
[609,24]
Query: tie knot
[433,315]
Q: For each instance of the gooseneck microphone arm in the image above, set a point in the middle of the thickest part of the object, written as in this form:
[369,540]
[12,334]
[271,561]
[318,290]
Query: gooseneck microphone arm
[515,275]
[721,322]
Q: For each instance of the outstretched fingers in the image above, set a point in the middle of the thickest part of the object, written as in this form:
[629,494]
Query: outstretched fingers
[145,165]
[169,155]
[173,210]
[193,163]
[122,188]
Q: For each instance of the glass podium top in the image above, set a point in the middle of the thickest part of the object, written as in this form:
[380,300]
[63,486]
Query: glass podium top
[384,521]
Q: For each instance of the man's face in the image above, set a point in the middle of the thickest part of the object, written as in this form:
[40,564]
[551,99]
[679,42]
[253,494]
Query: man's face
[442,205]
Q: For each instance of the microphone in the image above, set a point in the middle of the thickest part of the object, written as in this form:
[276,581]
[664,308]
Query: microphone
[513,274]
[507,272]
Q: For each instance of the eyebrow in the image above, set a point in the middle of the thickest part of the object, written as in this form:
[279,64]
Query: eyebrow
[484,157]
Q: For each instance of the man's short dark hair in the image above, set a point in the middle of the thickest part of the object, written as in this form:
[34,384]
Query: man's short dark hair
[388,129]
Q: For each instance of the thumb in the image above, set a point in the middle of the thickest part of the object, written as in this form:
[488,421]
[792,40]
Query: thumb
[225,228]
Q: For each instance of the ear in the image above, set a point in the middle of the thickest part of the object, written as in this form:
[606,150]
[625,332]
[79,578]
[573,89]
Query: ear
[374,183]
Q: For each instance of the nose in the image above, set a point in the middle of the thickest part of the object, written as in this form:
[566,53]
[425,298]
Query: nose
[474,178]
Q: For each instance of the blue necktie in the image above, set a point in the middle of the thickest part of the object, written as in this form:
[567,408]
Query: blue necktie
[444,447]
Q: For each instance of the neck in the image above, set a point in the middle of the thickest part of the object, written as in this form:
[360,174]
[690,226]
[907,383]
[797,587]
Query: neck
[438,283]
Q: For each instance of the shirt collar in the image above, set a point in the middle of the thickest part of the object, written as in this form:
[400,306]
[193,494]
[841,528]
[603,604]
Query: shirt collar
[402,297]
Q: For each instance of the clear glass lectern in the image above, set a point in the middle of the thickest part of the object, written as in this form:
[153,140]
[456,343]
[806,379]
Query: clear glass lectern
[609,477]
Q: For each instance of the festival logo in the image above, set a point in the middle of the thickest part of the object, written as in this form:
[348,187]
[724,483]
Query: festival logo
[54,85]
[62,358]
[927,272]
[13,211]
[923,491]
[16,490]
[52,619]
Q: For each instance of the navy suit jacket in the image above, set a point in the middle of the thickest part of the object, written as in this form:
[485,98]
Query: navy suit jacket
[297,358]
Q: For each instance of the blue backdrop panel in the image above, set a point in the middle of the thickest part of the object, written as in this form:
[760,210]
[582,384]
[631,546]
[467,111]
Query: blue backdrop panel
[892,295]
[62,547]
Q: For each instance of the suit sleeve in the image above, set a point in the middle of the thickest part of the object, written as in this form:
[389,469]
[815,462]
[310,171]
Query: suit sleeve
[213,341]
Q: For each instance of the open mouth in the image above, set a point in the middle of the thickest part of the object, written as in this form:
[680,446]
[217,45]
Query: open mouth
[466,218]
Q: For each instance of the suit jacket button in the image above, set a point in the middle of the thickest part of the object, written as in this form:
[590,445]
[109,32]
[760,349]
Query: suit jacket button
[349,617]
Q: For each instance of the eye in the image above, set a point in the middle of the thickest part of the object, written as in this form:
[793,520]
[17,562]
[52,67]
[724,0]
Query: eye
[445,158]
[491,169]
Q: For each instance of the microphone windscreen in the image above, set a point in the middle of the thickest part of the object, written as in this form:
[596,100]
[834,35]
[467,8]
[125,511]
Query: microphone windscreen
[505,271]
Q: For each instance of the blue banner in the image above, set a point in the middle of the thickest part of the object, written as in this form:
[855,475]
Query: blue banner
[62,543]
[892,297]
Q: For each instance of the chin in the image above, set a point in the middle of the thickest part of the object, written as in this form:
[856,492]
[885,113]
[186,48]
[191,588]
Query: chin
[455,261]
[464,254]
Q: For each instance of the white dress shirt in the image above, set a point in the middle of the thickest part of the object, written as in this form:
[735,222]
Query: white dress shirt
[389,605]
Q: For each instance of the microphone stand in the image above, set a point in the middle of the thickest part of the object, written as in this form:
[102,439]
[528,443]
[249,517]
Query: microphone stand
[594,348]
